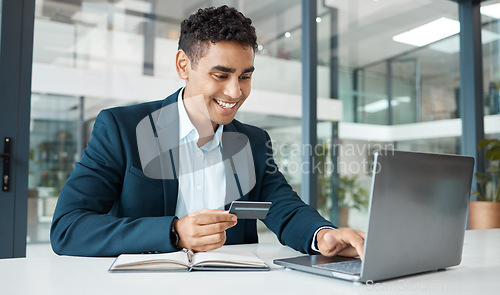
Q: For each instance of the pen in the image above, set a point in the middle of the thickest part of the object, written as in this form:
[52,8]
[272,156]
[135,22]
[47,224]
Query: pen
[189,254]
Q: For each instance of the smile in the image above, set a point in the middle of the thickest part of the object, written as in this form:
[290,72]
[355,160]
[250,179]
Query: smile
[225,105]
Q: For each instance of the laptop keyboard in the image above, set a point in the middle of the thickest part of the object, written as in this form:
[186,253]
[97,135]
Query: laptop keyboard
[351,267]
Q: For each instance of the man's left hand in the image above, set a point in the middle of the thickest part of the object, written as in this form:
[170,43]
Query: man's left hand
[343,241]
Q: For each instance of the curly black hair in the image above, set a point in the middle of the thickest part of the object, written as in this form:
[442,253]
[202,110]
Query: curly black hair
[214,25]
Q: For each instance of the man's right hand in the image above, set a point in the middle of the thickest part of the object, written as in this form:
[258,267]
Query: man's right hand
[204,230]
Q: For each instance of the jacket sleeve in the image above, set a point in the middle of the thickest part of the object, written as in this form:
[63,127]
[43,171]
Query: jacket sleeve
[81,225]
[293,221]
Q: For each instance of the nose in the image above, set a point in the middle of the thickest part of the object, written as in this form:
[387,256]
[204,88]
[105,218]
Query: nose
[233,89]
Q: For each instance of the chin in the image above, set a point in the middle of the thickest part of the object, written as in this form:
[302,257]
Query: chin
[225,122]
[222,120]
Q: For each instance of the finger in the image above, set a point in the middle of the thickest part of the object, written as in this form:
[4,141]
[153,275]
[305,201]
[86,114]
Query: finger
[210,242]
[205,211]
[349,251]
[345,242]
[214,228]
[361,233]
[207,248]
[214,217]
[356,241]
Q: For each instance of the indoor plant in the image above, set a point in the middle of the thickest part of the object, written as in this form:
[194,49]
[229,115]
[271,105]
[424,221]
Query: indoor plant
[348,189]
[485,212]
[350,195]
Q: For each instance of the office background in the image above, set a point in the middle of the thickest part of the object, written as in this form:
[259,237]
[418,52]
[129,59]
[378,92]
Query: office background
[378,85]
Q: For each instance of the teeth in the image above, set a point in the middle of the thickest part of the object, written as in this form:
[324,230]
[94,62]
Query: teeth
[225,104]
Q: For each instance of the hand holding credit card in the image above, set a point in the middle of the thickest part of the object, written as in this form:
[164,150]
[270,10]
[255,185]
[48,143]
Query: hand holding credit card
[249,209]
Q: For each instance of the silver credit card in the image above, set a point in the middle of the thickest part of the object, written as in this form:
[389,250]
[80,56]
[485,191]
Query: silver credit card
[249,209]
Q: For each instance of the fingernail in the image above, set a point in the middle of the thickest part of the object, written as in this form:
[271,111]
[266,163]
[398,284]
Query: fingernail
[234,218]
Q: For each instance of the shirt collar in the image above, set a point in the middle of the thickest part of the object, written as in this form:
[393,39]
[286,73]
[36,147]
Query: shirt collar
[185,125]
[187,131]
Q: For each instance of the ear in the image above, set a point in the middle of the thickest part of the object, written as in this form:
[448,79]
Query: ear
[182,64]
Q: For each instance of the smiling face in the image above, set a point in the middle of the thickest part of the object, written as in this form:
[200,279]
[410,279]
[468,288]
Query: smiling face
[222,77]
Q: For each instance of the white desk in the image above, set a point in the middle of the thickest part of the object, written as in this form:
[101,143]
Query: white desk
[479,273]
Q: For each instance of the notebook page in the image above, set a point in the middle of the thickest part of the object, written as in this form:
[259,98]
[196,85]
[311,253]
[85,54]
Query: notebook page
[221,258]
[143,261]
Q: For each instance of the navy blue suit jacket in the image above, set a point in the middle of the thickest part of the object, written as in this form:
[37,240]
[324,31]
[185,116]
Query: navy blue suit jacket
[109,206]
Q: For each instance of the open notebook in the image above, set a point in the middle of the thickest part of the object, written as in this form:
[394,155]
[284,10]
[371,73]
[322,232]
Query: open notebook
[186,261]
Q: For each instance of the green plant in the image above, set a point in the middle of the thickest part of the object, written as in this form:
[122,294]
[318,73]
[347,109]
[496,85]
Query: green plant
[350,193]
[489,182]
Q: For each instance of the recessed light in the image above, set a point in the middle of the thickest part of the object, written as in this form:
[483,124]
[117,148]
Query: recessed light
[287,34]
[318,19]
[429,32]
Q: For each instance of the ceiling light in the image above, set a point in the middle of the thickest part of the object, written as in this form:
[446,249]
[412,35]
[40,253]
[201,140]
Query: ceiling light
[287,34]
[374,107]
[260,47]
[492,10]
[452,44]
[429,32]
[383,104]
[318,19]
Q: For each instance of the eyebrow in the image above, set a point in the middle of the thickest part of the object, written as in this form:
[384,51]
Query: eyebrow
[232,70]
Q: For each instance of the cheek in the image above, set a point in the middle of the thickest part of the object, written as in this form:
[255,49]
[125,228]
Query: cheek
[209,101]
[246,88]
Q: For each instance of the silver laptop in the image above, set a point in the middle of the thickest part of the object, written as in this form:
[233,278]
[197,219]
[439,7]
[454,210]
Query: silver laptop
[417,219]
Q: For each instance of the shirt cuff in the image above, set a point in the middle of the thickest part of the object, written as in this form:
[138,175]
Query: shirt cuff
[314,241]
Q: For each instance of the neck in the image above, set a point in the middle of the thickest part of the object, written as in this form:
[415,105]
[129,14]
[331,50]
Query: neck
[198,115]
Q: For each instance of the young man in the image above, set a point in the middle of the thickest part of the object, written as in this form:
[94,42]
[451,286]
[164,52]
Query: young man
[112,203]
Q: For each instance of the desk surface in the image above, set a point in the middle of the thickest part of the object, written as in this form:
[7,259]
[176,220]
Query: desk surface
[479,273]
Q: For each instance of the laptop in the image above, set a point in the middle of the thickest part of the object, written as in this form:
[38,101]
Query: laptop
[417,219]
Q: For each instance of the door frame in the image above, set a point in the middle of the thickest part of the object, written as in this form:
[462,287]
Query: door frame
[16,56]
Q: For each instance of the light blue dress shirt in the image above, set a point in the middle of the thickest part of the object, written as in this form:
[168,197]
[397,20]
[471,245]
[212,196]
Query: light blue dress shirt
[202,176]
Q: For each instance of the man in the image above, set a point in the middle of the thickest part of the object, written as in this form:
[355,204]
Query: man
[110,206]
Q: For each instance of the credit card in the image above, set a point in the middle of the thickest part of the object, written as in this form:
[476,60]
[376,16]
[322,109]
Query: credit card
[249,209]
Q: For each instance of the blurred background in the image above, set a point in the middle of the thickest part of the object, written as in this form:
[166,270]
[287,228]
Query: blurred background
[394,63]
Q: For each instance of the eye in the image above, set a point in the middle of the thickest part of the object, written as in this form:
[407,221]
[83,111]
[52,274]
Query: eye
[245,77]
[220,76]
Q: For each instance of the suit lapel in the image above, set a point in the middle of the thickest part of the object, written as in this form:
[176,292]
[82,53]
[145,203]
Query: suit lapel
[167,127]
[238,163]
